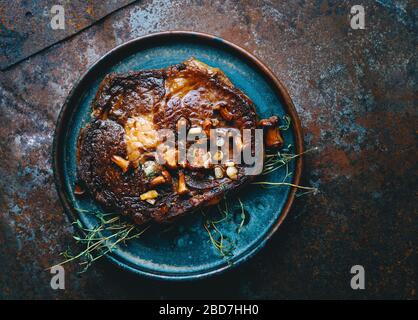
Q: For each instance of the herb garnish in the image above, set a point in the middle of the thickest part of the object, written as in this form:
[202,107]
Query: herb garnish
[110,231]
[113,229]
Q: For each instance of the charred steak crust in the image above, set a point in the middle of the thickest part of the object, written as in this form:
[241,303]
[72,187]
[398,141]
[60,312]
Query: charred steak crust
[157,99]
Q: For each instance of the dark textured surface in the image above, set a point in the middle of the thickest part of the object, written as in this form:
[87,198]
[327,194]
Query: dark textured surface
[25,25]
[355,91]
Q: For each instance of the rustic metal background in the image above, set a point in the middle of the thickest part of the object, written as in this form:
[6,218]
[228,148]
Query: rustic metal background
[355,91]
[25,25]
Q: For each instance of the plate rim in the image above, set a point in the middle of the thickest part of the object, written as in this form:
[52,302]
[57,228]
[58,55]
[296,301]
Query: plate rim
[61,132]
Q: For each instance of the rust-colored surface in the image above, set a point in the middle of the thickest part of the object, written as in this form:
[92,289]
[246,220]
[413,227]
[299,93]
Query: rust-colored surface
[25,26]
[355,91]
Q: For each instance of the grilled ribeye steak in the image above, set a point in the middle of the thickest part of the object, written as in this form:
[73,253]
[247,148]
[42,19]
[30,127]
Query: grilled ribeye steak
[119,161]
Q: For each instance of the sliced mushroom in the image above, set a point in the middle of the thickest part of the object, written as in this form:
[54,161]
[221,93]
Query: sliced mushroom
[121,162]
[170,157]
[182,188]
[157,181]
[166,175]
[269,122]
[273,137]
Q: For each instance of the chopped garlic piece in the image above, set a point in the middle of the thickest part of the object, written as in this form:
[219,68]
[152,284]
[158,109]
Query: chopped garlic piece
[219,173]
[230,163]
[150,168]
[232,173]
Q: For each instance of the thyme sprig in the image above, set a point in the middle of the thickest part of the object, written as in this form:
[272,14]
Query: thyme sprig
[215,222]
[276,184]
[223,244]
[276,160]
[286,125]
[282,158]
[242,215]
[111,231]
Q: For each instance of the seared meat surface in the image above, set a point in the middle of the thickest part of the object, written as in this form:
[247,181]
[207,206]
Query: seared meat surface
[119,161]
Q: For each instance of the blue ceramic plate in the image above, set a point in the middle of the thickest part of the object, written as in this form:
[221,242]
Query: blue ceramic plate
[184,250]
